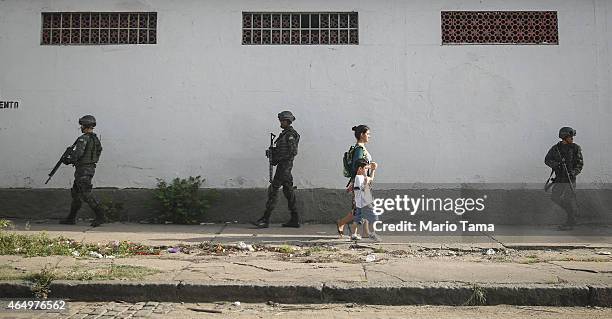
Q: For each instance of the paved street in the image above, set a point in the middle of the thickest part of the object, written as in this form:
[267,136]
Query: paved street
[111,310]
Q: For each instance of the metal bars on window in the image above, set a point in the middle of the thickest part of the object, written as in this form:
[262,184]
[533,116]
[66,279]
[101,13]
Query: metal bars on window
[305,28]
[98,28]
[499,27]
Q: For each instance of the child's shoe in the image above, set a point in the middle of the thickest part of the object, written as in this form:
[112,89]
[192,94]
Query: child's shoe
[355,237]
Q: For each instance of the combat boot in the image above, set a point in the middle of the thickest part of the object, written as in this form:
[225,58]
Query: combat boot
[262,223]
[100,219]
[293,222]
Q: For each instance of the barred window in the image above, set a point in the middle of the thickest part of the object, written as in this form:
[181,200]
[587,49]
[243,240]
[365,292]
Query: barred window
[93,28]
[304,28]
[500,27]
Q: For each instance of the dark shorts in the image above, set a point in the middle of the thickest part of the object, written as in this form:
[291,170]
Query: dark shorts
[364,213]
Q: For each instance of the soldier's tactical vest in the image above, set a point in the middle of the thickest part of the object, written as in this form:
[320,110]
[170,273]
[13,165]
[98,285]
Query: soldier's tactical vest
[568,151]
[283,149]
[93,149]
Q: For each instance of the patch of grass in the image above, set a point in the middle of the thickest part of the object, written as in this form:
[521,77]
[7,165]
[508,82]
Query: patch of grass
[379,250]
[110,272]
[4,224]
[31,245]
[42,279]
[286,249]
[316,250]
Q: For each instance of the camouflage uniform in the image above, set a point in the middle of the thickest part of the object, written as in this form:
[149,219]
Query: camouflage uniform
[284,152]
[86,154]
[562,193]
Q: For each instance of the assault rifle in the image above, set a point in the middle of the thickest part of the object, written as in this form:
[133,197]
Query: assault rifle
[65,158]
[269,155]
[569,179]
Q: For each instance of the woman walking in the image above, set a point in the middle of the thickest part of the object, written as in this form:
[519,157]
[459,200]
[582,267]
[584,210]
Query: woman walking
[362,135]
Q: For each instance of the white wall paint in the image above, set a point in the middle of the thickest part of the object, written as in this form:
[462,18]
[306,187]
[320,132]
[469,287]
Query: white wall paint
[200,103]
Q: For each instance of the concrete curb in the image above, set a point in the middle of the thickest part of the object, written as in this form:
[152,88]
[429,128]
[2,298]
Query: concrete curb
[401,294]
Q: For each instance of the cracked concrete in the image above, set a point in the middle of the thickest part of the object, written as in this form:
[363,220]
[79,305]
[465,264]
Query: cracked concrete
[401,261]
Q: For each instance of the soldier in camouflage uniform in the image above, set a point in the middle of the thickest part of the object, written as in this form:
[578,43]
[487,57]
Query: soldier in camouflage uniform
[86,153]
[563,193]
[286,148]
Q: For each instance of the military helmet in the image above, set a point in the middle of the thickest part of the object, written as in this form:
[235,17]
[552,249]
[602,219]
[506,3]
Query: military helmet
[286,115]
[88,121]
[567,131]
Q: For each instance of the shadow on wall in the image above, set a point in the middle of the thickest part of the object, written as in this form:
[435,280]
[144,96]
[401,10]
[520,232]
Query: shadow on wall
[320,205]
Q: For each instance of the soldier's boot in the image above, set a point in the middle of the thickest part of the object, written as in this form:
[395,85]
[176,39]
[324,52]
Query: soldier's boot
[95,206]
[571,208]
[263,222]
[293,222]
[288,191]
[74,208]
[100,218]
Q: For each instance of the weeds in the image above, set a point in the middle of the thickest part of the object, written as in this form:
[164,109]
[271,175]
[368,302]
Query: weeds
[5,224]
[379,250]
[113,211]
[181,201]
[41,282]
[478,297]
[286,249]
[43,245]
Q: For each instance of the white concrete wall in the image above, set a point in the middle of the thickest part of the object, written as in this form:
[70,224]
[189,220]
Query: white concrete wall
[200,103]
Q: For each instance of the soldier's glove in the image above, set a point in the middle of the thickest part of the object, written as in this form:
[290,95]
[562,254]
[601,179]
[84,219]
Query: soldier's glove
[66,160]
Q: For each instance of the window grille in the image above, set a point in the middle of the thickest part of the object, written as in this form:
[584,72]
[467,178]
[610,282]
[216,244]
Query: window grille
[300,28]
[500,27]
[93,28]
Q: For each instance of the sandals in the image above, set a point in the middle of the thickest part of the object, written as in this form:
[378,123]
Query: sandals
[340,229]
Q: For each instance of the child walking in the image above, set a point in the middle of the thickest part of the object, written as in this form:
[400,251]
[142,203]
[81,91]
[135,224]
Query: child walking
[364,214]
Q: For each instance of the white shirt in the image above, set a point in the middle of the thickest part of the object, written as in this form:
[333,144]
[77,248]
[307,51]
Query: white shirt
[363,192]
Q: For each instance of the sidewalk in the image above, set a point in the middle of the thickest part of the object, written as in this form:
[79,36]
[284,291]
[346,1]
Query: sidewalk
[311,264]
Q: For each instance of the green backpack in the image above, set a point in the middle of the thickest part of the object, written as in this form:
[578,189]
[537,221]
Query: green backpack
[347,161]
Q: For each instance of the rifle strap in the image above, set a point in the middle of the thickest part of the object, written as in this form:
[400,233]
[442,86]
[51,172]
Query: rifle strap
[569,180]
[552,171]
[560,156]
